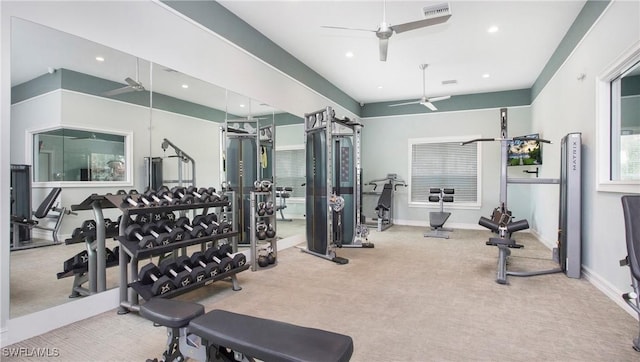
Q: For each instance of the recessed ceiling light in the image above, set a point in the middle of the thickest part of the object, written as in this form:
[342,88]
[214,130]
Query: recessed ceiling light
[493,29]
[379,87]
[100,59]
[486,75]
[349,54]
[185,86]
[242,106]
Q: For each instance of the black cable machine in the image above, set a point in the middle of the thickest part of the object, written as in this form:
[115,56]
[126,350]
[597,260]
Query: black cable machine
[333,185]
[248,149]
[568,250]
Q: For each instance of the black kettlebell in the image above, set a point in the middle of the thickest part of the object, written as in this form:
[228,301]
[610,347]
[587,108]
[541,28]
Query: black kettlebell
[261,209]
[269,207]
[257,185]
[270,231]
[271,258]
[263,261]
[261,231]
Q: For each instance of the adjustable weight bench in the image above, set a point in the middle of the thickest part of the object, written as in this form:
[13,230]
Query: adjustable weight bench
[438,218]
[283,193]
[226,336]
[43,212]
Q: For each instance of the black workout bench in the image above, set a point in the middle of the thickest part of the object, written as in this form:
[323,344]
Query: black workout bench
[225,336]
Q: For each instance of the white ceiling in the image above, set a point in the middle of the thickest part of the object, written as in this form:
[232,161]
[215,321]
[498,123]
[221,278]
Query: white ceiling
[35,49]
[461,49]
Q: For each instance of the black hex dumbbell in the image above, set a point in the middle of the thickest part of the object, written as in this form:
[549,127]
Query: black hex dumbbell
[197,272]
[194,231]
[201,194]
[215,197]
[181,193]
[150,194]
[224,264]
[160,284]
[134,232]
[181,278]
[211,224]
[238,259]
[211,268]
[161,238]
[176,233]
[166,194]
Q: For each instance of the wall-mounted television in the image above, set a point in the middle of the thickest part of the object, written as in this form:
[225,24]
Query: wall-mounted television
[525,151]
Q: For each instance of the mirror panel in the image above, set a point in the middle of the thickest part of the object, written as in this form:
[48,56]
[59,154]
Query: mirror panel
[95,94]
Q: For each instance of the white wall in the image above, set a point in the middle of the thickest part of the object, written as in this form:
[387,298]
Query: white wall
[384,150]
[568,104]
[71,109]
[292,136]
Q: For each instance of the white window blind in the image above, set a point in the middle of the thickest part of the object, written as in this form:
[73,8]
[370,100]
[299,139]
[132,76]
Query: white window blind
[436,164]
[291,170]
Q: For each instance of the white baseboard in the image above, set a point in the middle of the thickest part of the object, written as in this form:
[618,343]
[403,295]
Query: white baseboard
[607,289]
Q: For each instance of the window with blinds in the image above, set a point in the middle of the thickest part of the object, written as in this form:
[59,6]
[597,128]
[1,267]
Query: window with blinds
[291,170]
[443,162]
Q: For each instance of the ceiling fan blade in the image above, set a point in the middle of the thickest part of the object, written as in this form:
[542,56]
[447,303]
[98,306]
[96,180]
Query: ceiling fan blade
[345,28]
[117,91]
[135,85]
[441,98]
[429,105]
[405,103]
[400,28]
[384,46]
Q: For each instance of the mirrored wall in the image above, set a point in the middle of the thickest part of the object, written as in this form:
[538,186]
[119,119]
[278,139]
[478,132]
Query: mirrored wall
[70,92]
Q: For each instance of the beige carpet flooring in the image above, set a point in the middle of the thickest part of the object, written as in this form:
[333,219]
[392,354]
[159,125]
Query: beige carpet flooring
[409,299]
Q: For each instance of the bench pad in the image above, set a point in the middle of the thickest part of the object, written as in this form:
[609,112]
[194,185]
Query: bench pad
[170,313]
[270,340]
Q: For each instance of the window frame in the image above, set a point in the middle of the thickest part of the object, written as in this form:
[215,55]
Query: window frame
[128,149]
[298,147]
[456,204]
[604,123]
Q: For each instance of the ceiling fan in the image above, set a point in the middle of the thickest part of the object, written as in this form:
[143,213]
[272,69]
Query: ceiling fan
[435,14]
[427,102]
[133,85]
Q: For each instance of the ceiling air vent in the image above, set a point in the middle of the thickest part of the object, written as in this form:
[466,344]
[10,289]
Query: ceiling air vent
[450,81]
[436,10]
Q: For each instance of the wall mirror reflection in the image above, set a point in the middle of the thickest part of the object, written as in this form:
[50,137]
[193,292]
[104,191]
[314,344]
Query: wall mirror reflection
[66,154]
[80,111]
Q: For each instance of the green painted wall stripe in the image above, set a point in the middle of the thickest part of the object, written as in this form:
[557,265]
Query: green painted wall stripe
[84,83]
[226,24]
[521,97]
[285,119]
[590,12]
[40,85]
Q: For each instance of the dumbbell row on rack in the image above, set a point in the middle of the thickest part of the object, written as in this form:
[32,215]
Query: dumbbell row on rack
[81,260]
[171,274]
[164,232]
[170,197]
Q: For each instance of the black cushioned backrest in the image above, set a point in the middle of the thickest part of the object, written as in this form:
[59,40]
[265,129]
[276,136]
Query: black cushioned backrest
[48,203]
[631,210]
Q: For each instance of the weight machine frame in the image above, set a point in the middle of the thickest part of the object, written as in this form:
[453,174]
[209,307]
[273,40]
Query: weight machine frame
[262,134]
[568,250]
[333,128]
[384,218]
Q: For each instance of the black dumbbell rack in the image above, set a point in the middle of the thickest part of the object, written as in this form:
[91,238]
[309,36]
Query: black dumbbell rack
[97,264]
[255,198]
[130,288]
